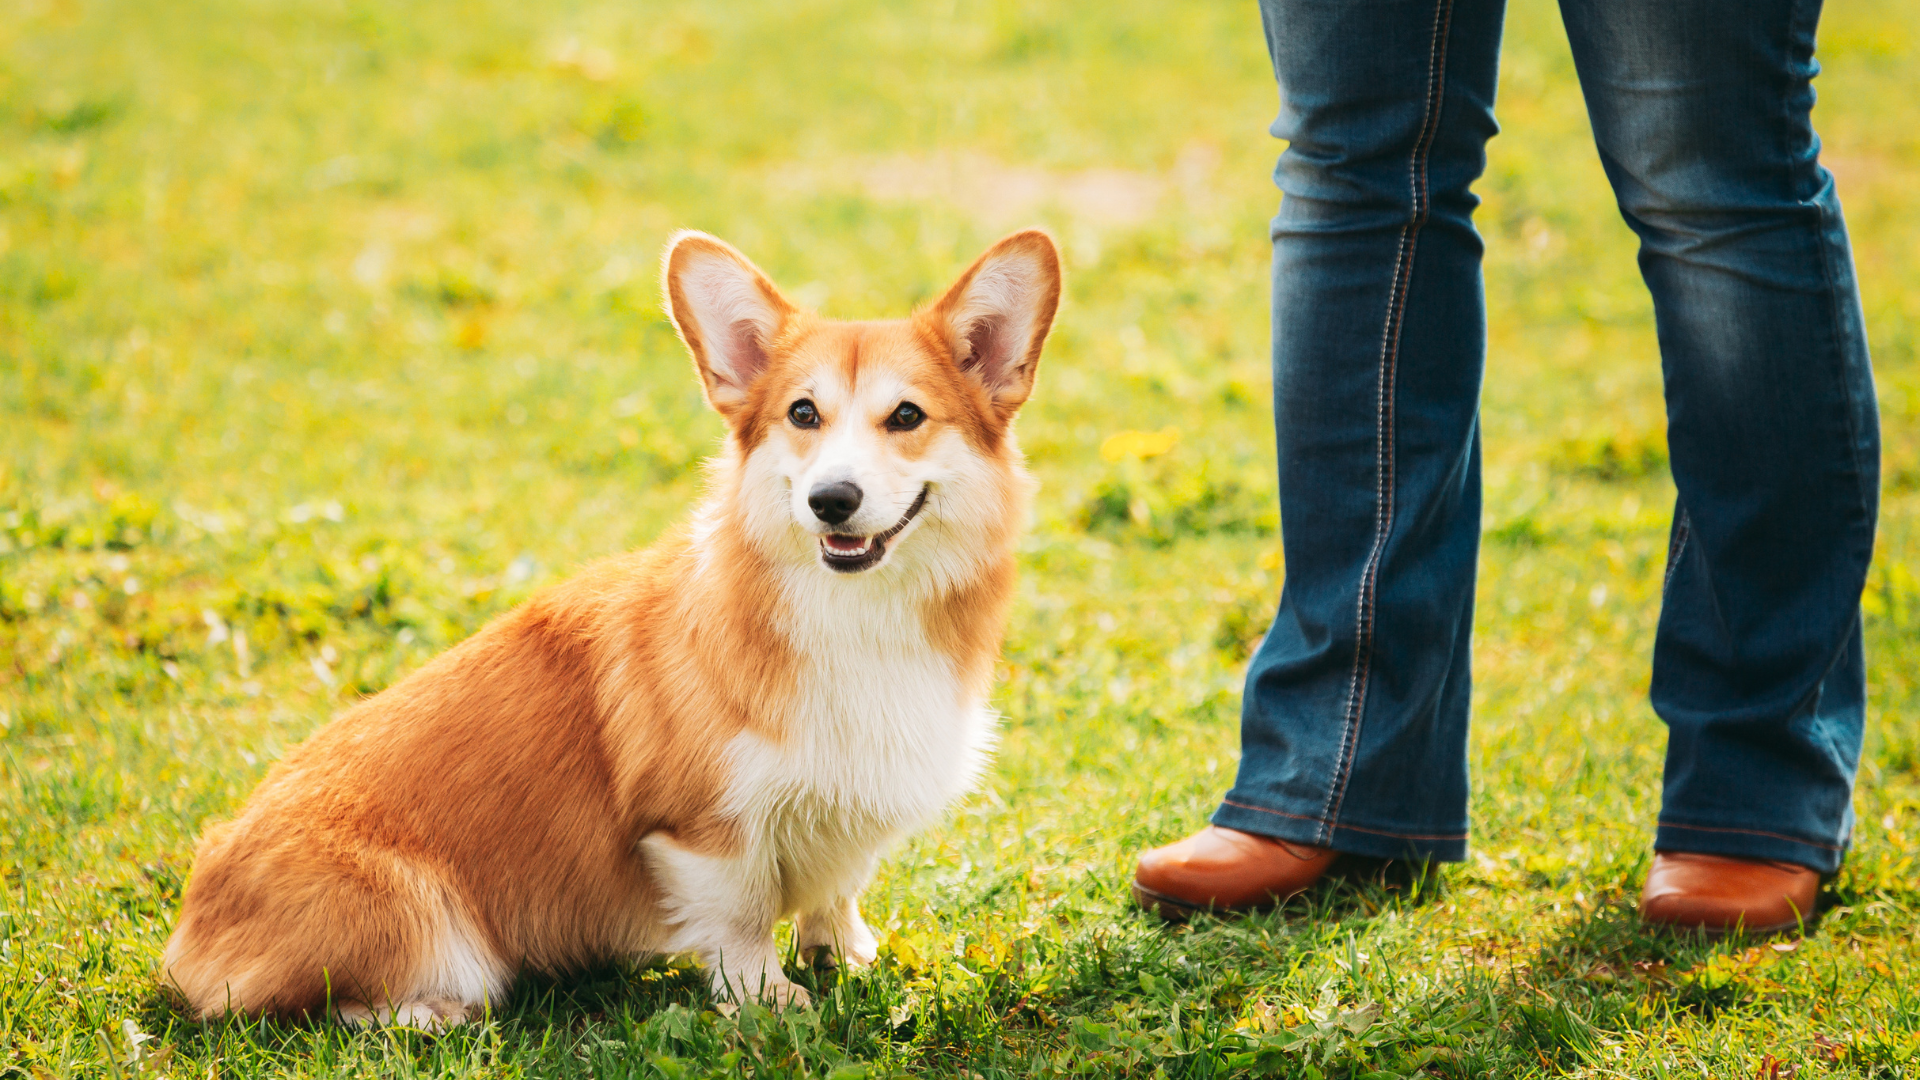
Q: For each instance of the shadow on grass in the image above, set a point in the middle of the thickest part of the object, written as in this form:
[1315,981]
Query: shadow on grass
[541,1014]
[616,1020]
[1597,991]
[1606,984]
[1289,993]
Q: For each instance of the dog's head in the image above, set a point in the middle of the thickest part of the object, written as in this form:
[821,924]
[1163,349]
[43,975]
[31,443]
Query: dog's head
[857,445]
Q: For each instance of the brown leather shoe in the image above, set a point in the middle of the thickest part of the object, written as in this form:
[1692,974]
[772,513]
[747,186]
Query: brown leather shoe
[1720,894]
[1224,870]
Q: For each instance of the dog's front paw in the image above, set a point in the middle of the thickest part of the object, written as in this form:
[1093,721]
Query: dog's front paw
[777,994]
[837,934]
[860,948]
[786,995]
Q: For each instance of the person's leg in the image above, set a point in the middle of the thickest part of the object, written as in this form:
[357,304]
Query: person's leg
[1700,110]
[1354,720]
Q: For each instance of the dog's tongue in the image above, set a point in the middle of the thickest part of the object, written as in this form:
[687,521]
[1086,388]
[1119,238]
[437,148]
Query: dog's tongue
[846,545]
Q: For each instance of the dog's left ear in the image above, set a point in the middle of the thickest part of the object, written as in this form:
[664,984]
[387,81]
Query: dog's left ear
[727,312]
[996,317]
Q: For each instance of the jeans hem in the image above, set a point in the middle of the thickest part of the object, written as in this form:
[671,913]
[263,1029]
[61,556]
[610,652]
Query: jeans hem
[1412,844]
[1748,844]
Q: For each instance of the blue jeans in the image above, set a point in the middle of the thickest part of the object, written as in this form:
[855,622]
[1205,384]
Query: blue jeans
[1354,722]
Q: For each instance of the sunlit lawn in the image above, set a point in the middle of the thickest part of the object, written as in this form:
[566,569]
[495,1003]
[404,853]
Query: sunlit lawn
[329,330]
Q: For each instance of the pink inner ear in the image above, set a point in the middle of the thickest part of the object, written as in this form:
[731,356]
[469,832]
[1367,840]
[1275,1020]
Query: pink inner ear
[995,344]
[736,318]
[745,353]
[996,314]
[988,351]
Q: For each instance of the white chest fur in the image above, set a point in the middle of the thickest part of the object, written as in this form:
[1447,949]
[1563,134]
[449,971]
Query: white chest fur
[881,735]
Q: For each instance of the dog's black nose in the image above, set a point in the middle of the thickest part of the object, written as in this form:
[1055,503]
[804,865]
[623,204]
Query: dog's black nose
[834,503]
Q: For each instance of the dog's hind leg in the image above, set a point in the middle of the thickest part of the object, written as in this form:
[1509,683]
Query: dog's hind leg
[434,1015]
[456,974]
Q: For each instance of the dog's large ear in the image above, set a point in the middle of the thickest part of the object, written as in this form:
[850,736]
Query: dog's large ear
[727,313]
[996,317]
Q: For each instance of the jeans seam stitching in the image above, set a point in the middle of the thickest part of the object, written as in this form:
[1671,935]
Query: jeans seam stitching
[1836,328]
[1350,828]
[1275,813]
[1750,832]
[1384,419]
[1400,835]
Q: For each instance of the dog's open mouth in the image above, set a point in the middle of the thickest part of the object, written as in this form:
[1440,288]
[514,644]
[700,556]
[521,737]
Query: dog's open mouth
[852,554]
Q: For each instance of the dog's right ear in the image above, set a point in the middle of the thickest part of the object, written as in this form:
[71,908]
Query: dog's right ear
[726,311]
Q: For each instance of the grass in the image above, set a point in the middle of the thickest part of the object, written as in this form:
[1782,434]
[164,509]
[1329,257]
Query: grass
[328,330]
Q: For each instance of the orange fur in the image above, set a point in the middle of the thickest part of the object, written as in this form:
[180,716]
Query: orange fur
[496,803]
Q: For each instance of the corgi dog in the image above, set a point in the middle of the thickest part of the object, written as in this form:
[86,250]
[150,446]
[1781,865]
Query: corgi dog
[679,747]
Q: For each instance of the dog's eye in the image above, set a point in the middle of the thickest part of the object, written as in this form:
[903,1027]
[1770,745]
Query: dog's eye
[906,417]
[803,414]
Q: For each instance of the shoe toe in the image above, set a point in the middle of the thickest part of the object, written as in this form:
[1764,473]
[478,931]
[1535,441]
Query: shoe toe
[1720,894]
[1224,870]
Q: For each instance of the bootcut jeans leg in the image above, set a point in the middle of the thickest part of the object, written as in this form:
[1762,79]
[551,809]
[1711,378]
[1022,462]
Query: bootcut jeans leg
[1354,720]
[1702,114]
